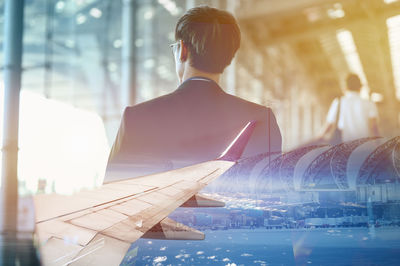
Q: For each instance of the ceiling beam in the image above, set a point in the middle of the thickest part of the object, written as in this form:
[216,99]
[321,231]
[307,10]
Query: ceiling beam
[298,33]
[261,9]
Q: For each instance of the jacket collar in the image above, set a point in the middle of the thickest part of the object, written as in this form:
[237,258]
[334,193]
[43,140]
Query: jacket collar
[195,82]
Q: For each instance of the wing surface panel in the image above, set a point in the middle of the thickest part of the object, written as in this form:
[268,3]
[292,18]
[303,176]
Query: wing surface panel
[103,250]
[122,216]
[59,252]
[97,227]
[62,230]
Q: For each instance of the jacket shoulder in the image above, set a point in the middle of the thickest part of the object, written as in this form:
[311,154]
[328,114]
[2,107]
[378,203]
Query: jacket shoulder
[151,104]
[245,104]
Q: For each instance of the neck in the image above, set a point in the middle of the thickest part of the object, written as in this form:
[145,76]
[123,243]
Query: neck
[191,72]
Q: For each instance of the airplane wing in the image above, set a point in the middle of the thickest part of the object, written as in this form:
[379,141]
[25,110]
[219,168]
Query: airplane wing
[97,227]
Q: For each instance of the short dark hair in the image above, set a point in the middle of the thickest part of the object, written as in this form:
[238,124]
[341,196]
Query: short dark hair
[211,35]
[353,82]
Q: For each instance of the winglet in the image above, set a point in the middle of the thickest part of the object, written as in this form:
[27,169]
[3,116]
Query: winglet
[236,148]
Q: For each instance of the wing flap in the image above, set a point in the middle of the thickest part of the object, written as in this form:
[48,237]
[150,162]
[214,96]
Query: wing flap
[200,201]
[172,191]
[169,229]
[129,187]
[186,184]
[99,221]
[65,231]
[155,198]
[131,207]
[125,230]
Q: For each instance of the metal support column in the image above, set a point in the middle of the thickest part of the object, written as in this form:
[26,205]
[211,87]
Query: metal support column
[128,73]
[13,28]
[48,50]
[146,52]
[231,70]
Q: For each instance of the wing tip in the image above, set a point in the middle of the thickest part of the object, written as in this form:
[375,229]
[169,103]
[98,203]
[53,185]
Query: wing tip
[234,151]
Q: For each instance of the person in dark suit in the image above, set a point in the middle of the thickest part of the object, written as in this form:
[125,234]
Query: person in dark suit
[197,121]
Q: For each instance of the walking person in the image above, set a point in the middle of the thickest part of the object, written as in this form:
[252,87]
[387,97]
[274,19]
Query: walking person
[350,117]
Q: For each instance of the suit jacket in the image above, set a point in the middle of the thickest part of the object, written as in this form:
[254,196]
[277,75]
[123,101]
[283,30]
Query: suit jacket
[195,123]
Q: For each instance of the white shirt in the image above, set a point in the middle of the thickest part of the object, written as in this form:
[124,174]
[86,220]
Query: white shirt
[354,115]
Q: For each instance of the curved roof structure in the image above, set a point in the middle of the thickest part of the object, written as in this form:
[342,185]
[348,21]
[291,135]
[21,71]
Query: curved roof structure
[246,170]
[357,158]
[277,174]
[328,170]
[303,164]
[318,167]
[266,180]
[380,166]
[346,165]
[257,170]
[396,158]
[339,161]
[288,164]
[318,173]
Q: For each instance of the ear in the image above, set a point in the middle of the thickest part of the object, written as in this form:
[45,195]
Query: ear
[183,52]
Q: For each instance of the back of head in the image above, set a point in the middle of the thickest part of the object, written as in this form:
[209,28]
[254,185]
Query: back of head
[353,82]
[211,35]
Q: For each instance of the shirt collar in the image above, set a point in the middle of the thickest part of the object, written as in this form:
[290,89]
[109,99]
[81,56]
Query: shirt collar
[204,80]
[199,78]
[352,93]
